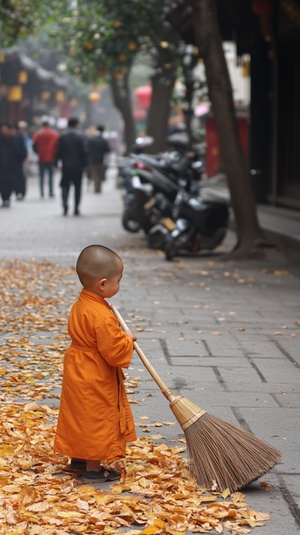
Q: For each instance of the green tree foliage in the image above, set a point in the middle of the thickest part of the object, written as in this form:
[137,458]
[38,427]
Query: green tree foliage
[103,37]
[21,18]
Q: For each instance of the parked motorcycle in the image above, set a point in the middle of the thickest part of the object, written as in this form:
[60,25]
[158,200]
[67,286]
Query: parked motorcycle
[143,208]
[197,224]
[152,185]
[126,164]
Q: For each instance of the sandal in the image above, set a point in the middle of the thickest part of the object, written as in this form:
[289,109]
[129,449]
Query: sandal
[102,475]
[77,465]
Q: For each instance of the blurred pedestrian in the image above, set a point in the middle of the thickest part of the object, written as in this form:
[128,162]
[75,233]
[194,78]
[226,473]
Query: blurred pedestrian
[22,148]
[12,153]
[44,144]
[90,132]
[98,147]
[71,151]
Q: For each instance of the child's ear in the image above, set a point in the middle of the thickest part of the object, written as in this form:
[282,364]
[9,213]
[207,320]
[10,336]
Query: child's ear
[101,284]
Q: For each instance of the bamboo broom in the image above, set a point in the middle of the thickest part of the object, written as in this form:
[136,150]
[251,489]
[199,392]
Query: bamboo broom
[221,455]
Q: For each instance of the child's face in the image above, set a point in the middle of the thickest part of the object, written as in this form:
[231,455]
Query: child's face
[112,285]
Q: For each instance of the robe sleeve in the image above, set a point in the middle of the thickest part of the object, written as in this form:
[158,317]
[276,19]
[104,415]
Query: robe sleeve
[114,345]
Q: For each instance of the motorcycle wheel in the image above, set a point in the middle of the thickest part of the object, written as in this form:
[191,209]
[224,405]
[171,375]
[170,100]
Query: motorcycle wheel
[156,240]
[129,224]
[170,248]
[215,240]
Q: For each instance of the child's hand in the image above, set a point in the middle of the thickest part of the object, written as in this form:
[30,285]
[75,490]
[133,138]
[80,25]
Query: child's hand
[131,334]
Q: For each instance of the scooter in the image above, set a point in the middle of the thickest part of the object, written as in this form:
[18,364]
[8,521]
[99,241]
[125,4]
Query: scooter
[126,164]
[142,207]
[152,185]
[197,224]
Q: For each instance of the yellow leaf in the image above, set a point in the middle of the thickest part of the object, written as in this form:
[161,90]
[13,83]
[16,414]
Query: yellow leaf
[143,482]
[266,486]
[237,497]
[207,499]
[11,518]
[6,450]
[39,507]
[82,505]
[33,406]
[70,514]
[24,463]
[151,530]
[27,495]
[225,493]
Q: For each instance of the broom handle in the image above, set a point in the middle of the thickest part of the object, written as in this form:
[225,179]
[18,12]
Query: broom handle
[163,387]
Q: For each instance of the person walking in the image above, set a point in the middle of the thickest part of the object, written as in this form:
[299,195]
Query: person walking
[22,141]
[98,147]
[12,154]
[44,144]
[71,151]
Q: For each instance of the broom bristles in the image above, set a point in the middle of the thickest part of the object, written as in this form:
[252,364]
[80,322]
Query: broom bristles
[222,455]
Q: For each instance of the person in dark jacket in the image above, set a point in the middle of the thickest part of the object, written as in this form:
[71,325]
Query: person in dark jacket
[12,155]
[71,151]
[97,148]
[21,155]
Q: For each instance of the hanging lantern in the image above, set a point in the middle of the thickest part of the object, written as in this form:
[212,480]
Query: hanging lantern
[94,97]
[143,94]
[14,93]
[60,96]
[45,95]
[22,77]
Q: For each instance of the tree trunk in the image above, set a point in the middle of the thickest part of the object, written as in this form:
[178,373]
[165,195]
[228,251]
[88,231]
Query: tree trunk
[122,101]
[189,82]
[159,111]
[209,42]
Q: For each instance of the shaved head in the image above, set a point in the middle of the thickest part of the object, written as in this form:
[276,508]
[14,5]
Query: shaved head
[97,262]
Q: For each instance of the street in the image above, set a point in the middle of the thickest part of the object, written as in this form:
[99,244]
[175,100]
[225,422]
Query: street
[225,334]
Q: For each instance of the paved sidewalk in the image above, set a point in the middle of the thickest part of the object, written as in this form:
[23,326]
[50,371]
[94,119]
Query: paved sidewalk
[281,226]
[224,334]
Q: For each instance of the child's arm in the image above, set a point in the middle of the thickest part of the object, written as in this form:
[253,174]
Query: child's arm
[115,345]
[131,334]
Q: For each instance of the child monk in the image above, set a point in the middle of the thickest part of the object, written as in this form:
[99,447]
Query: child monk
[95,420]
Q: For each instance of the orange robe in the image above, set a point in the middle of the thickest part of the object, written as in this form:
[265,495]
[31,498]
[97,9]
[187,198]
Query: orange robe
[95,420]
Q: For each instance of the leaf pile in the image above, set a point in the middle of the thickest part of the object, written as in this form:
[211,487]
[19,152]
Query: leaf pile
[156,494]
[35,302]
